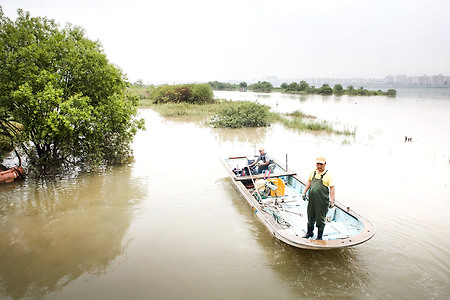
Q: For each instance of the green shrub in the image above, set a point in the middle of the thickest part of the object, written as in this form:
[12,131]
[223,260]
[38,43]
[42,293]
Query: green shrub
[202,93]
[261,86]
[241,114]
[5,145]
[223,86]
[338,89]
[325,89]
[392,92]
[186,93]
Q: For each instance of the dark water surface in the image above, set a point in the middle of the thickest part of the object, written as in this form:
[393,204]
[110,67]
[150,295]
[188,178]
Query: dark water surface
[170,225]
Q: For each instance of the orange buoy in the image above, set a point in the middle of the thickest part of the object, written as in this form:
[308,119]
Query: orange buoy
[11,174]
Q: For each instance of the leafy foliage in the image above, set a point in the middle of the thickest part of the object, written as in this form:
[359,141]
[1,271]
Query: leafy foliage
[303,86]
[293,86]
[237,114]
[5,145]
[392,92]
[364,92]
[325,89]
[338,89]
[60,98]
[188,93]
[263,86]
[223,86]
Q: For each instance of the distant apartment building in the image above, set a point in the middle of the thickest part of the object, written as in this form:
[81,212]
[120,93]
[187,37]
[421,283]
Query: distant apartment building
[439,79]
[399,79]
[434,80]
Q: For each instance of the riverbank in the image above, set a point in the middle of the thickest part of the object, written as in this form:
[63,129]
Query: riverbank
[236,114]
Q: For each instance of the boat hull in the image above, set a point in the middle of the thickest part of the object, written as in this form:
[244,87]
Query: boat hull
[11,174]
[287,219]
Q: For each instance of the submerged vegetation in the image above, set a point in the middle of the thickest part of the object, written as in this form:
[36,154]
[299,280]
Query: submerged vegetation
[237,114]
[186,93]
[300,121]
[182,100]
[184,109]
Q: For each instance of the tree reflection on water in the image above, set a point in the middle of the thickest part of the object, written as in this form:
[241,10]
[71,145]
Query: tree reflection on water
[55,230]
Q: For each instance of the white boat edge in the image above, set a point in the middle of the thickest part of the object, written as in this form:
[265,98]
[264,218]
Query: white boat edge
[297,241]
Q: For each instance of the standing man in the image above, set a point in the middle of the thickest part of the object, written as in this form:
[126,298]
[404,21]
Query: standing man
[321,196]
[267,161]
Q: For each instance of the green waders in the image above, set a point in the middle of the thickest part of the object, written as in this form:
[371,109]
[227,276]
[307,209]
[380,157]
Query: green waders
[319,200]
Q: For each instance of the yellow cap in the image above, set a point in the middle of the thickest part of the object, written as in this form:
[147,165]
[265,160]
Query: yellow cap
[321,160]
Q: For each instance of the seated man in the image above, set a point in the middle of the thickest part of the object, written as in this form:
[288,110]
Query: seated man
[266,162]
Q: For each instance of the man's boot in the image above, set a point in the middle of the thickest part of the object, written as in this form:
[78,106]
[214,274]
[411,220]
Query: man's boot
[309,233]
[320,234]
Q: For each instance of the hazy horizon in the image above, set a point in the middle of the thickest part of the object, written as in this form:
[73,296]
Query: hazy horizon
[198,41]
[274,79]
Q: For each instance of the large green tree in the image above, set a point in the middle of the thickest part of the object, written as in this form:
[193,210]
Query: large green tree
[304,86]
[264,86]
[61,100]
[325,89]
[338,89]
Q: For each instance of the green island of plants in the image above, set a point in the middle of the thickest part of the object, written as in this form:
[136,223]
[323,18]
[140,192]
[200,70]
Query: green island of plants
[197,100]
[260,86]
[325,89]
[302,88]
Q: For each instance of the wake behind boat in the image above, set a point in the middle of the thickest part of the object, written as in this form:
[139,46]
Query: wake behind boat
[276,199]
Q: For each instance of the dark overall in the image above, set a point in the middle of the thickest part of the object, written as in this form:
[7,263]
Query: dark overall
[319,200]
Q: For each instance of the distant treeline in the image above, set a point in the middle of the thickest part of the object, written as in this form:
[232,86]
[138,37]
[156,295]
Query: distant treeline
[260,86]
[300,88]
[325,89]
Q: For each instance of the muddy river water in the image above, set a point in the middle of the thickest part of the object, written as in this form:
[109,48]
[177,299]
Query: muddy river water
[170,225]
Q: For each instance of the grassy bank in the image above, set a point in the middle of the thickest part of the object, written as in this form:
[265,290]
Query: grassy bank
[183,109]
[228,114]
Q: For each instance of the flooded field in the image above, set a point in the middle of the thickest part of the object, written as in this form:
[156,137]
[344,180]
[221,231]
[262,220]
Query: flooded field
[170,225]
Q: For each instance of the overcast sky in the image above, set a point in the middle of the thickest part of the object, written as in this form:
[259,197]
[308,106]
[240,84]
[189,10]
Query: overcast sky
[207,40]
